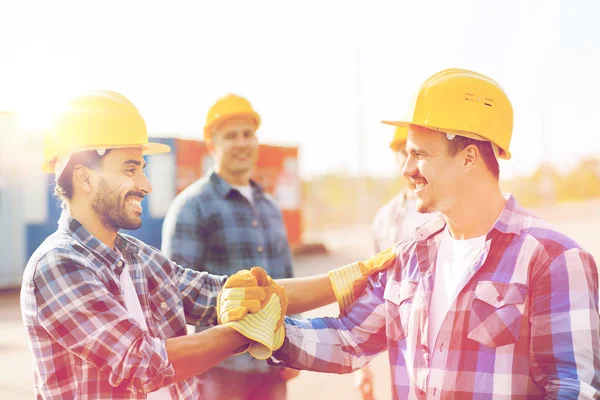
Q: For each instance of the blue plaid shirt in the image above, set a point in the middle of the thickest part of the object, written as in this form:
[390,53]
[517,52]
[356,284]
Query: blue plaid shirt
[211,225]
[85,343]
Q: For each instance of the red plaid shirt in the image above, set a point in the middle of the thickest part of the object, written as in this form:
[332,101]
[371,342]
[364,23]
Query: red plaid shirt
[84,342]
[524,325]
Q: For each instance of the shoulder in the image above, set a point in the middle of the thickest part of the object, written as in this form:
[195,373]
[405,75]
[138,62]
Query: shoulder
[58,255]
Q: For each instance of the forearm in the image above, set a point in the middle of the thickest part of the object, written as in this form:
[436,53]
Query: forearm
[305,294]
[336,349]
[194,354]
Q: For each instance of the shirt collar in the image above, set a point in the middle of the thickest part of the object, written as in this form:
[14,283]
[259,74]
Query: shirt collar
[223,188]
[123,245]
[510,221]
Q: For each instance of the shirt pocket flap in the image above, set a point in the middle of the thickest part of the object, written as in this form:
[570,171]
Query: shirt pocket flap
[398,292]
[499,294]
[163,300]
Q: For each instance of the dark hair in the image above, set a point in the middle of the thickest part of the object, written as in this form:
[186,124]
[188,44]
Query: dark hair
[485,149]
[63,189]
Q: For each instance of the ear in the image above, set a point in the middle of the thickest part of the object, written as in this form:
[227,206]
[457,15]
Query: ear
[82,179]
[209,145]
[470,156]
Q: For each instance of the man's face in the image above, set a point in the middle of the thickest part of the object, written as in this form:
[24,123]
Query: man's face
[234,146]
[120,187]
[401,157]
[435,174]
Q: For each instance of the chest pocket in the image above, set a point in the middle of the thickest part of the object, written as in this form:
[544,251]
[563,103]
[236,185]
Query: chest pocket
[164,306]
[497,312]
[398,302]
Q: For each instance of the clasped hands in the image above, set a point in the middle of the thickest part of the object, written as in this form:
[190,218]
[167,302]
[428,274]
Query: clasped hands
[253,304]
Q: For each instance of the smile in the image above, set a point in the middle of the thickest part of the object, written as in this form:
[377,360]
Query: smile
[135,203]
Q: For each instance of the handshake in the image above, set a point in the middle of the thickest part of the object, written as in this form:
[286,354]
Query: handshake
[253,304]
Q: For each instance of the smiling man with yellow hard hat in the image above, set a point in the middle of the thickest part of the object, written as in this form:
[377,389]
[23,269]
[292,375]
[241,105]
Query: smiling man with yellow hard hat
[486,300]
[106,314]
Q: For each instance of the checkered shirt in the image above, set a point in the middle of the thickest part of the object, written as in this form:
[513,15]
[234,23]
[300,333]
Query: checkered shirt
[523,326]
[211,225]
[84,342]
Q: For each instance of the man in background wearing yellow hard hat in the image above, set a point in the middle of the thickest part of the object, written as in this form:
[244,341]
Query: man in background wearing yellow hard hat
[397,220]
[106,314]
[224,223]
[484,301]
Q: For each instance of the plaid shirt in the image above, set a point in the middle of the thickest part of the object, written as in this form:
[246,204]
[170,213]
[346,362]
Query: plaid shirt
[84,342]
[212,225]
[524,325]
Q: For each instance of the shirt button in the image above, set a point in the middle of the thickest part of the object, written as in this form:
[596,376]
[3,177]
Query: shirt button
[259,249]
[424,348]
[255,223]
[119,263]
[500,297]
[163,305]
[421,392]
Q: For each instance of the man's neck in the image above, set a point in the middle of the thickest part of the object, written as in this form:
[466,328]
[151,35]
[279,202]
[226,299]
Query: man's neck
[90,221]
[475,214]
[241,179]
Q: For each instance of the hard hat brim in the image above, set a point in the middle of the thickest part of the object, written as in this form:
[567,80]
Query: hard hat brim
[155,148]
[147,149]
[505,154]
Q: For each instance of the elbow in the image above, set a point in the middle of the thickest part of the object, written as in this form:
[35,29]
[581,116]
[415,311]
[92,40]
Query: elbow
[145,368]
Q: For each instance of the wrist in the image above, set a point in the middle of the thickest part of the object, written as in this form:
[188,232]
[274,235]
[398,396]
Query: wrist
[239,339]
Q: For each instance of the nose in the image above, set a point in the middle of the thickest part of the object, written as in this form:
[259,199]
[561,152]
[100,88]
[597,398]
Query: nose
[145,185]
[410,166]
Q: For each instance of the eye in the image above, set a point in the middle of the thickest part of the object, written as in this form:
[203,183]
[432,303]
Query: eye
[130,171]
[230,135]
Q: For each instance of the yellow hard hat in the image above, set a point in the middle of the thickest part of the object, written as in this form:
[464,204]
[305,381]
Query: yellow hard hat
[97,120]
[400,137]
[227,107]
[464,103]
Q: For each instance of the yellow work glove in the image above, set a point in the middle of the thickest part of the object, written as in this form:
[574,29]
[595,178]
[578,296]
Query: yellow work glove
[349,281]
[259,350]
[239,296]
[256,323]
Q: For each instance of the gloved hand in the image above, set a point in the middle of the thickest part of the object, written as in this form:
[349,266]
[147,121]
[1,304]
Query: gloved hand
[262,322]
[258,349]
[349,281]
[240,295]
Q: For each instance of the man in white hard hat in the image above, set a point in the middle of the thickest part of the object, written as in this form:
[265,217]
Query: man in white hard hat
[106,314]
[487,300]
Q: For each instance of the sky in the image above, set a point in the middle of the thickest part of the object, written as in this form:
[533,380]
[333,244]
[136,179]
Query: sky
[322,74]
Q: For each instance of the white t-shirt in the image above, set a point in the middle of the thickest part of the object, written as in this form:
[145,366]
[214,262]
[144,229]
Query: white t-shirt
[245,191]
[455,258]
[132,303]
